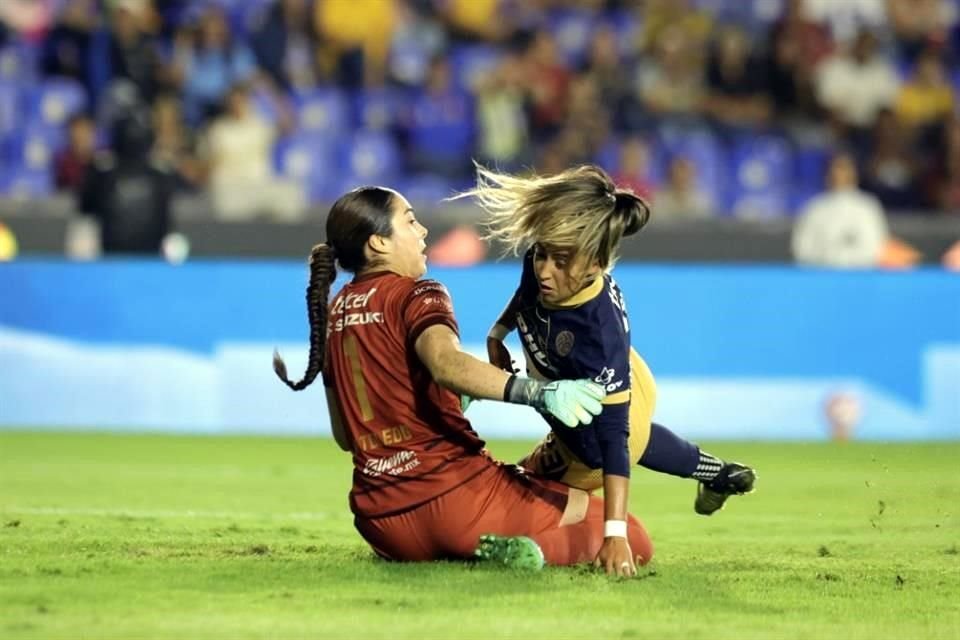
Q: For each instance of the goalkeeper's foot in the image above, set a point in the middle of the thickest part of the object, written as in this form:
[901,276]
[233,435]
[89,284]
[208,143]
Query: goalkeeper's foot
[515,552]
[734,479]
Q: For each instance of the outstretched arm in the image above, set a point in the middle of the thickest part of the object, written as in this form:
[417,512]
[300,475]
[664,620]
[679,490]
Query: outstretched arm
[439,349]
[570,401]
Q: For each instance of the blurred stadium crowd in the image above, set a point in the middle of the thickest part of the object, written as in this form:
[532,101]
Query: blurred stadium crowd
[711,107]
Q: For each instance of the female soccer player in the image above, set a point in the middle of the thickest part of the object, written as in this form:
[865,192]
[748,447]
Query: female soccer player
[424,487]
[573,323]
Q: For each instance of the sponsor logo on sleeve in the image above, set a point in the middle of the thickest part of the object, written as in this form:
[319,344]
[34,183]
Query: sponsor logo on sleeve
[606,377]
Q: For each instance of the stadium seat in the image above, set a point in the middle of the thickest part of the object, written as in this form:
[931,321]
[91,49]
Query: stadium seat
[10,94]
[608,156]
[18,63]
[33,148]
[371,157]
[573,30]
[26,183]
[441,132]
[308,159]
[425,190]
[409,59]
[809,175]
[323,111]
[52,103]
[469,63]
[378,109]
[761,177]
[706,153]
[264,105]
[627,25]
[955,79]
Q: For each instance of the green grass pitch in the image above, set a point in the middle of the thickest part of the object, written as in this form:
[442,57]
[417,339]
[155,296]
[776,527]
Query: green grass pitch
[110,536]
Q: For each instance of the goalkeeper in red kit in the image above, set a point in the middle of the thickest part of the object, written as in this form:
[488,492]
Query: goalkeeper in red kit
[424,487]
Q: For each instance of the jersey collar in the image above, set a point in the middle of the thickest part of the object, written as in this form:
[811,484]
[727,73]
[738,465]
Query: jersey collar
[585,295]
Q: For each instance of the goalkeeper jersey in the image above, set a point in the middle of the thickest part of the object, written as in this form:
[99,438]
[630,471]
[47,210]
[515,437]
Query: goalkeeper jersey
[409,438]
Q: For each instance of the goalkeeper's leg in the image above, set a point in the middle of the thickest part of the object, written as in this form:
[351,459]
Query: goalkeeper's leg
[580,542]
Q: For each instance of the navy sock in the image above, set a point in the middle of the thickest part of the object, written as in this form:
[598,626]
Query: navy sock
[669,453]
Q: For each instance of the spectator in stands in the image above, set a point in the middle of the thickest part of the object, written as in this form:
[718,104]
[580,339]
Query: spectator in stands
[73,161]
[681,198]
[556,156]
[175,146]
[502,132]
[134,55]
[738,95]
[633,171]
[129,194]
[942,181]
[918,24]
[29,18]
[843,227]
[855,86]
[611,75]
[418,37]
[286,46]
[588,120]
[356,39]
[239,151]
[795,46]
[674,19]
[548,82]
[845,18]
[475,20]
[208,62]
[927,97]
[66,49]
[891,172]
[441,129]
[670,84]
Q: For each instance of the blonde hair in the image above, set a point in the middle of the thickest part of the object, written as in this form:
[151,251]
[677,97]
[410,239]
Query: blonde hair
[579,210]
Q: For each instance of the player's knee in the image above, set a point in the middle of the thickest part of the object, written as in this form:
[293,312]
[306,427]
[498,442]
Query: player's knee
[578,502]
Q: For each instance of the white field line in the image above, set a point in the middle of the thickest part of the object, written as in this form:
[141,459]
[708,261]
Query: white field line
[121,512]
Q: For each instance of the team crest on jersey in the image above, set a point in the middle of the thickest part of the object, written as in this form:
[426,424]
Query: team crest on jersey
[564,343]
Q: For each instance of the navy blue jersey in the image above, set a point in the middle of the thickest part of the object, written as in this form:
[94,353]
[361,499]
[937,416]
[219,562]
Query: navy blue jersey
[587,337]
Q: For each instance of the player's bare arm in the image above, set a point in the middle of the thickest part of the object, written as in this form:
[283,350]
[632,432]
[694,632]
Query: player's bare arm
[439,349]
[572,402]
[615,555]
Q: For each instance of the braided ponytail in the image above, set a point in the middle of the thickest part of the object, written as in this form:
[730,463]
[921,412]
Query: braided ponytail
[323,271]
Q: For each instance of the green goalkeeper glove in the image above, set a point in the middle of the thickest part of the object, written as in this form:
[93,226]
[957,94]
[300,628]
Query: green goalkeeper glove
[572,402]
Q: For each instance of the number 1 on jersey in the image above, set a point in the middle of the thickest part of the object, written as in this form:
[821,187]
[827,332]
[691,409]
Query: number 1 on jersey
[356,374]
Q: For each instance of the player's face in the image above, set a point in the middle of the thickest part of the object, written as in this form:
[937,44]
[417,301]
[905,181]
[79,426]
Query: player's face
[407,242]
[560,274]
